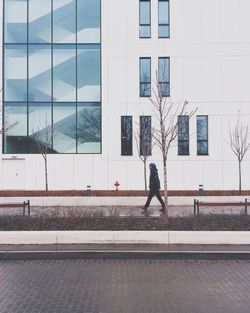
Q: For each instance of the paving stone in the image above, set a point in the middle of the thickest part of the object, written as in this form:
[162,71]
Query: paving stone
[129,286]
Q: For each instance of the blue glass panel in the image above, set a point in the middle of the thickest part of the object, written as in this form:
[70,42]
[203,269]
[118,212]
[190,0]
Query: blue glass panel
[163,70]
[39,73]
[88,71]
[183,128]
[144,12]
[183,148]
[202,148]
[15,72]
[145,135]
[64,73]
[126,135]
[163,31]
[64,21]
[88,21]
[88,128]
[144,31]
[163,12]
[39,21]
[145,77]
[64,127]
[15,23]
[15,138]
[202,127]
[40,135]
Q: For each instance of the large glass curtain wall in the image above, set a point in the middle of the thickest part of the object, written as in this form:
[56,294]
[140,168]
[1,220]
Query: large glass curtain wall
[52,76]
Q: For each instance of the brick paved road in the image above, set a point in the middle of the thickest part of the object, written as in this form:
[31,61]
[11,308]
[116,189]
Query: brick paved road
[124,286]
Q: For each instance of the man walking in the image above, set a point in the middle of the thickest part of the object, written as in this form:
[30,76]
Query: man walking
[154,188]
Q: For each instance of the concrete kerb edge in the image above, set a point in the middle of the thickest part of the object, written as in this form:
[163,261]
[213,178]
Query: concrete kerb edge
[131,237]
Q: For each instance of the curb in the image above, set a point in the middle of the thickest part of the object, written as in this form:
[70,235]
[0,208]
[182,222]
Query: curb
[122,237]
[125,255]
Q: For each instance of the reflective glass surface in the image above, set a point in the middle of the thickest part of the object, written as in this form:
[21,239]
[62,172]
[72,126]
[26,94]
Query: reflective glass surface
[126,135]
[15,22]
[15,138]
[145,77]
[164,76]
[88,73]
[183,135]
[88,21]
[163,16]
[39,21]
[50,75]
[202,135]
[145,19]
[15,73]
[145,135]
[88,128]
[40,127]
[39,73]
[64,128]
[64,73]
[64,21]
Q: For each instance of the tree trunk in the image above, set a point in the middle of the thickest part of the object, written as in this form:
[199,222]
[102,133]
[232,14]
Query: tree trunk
[239,175]
[165,185]
[145,175]
[46,172]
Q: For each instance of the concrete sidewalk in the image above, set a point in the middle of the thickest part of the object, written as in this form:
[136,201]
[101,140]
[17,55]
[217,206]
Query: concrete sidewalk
[124,251]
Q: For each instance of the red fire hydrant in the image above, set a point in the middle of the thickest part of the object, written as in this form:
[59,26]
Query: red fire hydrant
[116,184]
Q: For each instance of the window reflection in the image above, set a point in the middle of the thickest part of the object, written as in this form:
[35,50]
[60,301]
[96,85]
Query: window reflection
[64,73]
[39,21]
[64,128]
[88,128]
[126,135]
[145,77]
[88,73]
[15,22]
[15,81]
[202,135]
[15,138]
[183,135]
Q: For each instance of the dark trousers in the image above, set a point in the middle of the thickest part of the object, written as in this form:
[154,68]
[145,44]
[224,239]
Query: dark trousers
[154,192]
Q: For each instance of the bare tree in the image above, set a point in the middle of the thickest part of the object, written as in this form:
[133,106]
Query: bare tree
[143,138]
[43,140]
[166,128]
[239,142]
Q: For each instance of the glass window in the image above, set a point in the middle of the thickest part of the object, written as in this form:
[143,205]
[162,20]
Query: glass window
[64,21]
[15,21]
[39,73]
[15,72]
[202,135]
[64,73]
[39,21]
[88,73]
[163,16]
[145,19]
[15,138]
[64,127]
[88,128]
[145,77]
[183,135]
[145,135]
[88,21]
[164,77]
[39,132]
[126,135]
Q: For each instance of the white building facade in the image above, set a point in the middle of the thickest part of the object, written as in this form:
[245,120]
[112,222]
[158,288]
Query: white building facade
[85,69]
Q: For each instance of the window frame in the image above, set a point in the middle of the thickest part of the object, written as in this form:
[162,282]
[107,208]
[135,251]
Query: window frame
[167,81]
[140,24]
[150,133]
[145,82]
[202,140]
[123,138]
[164,24]
[180,141]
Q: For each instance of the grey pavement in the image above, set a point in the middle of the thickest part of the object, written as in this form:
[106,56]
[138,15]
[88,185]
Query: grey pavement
[124,286]
[122,211]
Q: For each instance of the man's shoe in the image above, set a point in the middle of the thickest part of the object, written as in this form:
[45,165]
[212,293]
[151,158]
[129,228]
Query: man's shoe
[162,210]
[142,207]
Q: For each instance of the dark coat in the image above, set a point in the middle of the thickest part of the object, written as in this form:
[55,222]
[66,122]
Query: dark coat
[154,182]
